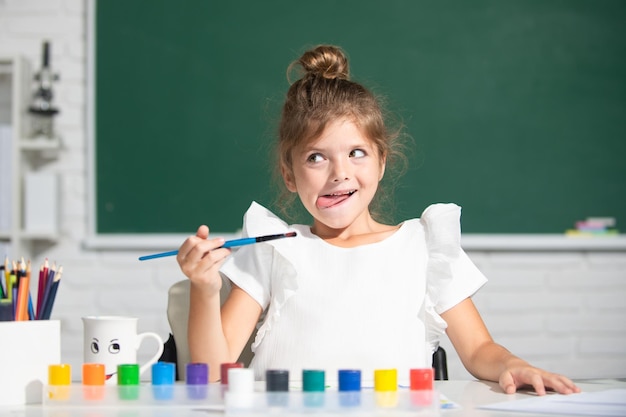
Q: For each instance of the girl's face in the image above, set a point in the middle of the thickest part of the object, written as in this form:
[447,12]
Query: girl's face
[336,178]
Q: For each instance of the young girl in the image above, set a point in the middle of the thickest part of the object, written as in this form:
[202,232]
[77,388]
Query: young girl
[348,292]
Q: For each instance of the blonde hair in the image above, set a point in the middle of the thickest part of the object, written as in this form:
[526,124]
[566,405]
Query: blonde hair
[324,93]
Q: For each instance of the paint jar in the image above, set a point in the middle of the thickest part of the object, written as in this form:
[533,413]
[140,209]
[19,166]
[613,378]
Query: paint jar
[349,387]
[240,391]
[277,387]
[94,377]
[386,387]
[313,387]
[59,381]
[128,381]
[197,376]
[163,379]
[421,386]
[224,371]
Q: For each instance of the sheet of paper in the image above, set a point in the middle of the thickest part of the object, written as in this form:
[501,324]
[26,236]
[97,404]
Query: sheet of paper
[609,403]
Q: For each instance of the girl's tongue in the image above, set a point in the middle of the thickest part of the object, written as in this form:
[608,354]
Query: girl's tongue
[326,201]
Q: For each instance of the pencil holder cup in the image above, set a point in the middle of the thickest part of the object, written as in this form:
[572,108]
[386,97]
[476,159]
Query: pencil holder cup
[113,341]
[27,348]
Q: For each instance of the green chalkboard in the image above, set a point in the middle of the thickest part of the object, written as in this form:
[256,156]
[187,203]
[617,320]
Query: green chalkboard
[517,108]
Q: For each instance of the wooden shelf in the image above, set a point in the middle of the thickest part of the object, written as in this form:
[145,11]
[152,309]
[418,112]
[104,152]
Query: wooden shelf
[39,235]
[40,144]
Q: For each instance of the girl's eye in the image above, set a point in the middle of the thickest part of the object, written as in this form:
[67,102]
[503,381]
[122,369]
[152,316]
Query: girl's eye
[316,157]
[357,153]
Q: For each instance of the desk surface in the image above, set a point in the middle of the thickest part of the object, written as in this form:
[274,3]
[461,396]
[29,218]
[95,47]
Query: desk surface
[468,395]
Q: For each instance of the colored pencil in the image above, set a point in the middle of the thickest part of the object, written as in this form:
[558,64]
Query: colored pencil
[46,292]
[13,281]
[49,302]
[41,287]
[14,302]
[31,308]
[2,290]
[227,244]
[23,289]
[7,276]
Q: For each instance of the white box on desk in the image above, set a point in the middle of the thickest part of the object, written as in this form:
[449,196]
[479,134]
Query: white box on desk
[26,350]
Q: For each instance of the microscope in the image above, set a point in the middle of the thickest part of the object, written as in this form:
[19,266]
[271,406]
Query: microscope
[42,108]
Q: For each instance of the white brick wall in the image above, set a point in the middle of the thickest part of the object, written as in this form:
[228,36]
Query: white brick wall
[562,311]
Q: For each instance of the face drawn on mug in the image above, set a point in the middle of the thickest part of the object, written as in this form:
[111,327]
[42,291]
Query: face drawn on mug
[113,341]
[113,346]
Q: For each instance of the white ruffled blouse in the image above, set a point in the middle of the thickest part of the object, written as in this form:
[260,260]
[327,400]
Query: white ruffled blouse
[374,306]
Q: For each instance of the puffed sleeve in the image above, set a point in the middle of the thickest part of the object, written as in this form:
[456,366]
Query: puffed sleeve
[451,276]
[263,270]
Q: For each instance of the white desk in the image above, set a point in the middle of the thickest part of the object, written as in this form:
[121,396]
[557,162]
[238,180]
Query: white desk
[472,394]
[467,394]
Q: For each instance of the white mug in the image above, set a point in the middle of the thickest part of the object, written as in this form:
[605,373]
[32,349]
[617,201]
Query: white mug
[113,341]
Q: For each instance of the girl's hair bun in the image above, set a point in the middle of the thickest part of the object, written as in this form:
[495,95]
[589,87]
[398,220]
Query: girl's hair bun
[325,61]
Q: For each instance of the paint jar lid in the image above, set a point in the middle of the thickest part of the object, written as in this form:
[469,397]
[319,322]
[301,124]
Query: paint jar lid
[313,380]
[163,373]
[94,374]
[386,380]
[197,373]
[224,370]
[276,380]
[240,380]
[128,374]
[60,374]
[349,380]
[421,379]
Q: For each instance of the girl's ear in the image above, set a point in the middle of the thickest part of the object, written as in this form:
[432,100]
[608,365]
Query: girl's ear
[383,164]
[287,174]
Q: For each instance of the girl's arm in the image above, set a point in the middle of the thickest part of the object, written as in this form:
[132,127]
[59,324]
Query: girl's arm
[216,334]
[487,360]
